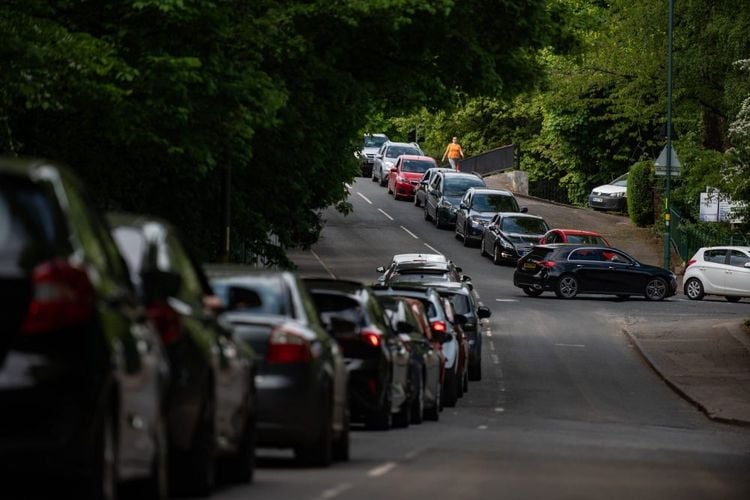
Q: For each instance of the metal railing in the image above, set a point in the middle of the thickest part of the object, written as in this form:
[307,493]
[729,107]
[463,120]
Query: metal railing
[688,237]
[490,162]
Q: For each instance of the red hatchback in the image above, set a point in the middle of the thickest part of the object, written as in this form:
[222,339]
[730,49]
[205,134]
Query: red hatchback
[574,236]
[405,175]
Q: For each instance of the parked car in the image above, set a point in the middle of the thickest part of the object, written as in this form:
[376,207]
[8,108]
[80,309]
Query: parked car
[420,191]
[302,379]
[443,330]
[718,271]
[611,196]
[476,209]
[83,372]
[409,267]
[569,270]
[466,303]
[370,145]
[386,157]
[211,404]
[406,174]
[376,357]
[409,319]
[509,236]
[444,193]
[575,236]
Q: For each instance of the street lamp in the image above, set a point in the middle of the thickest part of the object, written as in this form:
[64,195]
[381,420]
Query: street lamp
[668,214]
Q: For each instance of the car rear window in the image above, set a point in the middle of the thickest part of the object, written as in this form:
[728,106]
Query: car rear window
[539,253]
[262,295]
[459,302]
[337,305]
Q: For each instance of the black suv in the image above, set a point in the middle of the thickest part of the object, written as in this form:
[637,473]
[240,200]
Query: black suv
[83,370]
[444,193]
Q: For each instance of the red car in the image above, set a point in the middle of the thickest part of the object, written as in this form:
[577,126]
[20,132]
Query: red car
[405,175]
[574,236]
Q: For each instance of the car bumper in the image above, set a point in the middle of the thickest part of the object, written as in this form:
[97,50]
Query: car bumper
[405,189]
[607,203]
[446,215]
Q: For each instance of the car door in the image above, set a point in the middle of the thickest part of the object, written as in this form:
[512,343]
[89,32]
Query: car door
[712,269]
[463,213]
[737,275]
[593,272]
[433,195]
[490,233]
[623,274]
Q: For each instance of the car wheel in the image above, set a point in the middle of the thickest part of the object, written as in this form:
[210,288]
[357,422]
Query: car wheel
[466,382]
[531,292]
[417,405]
[496,258]
[450,388]
[101,484]
[383,179]
[438,221]
[694,289]
[240,468]
[475,371]
[733,299]
[403,417]
[426,213]
[467,241]
[433,412]
[656,289]
[341,444]
[320,452]
[416,201]
[380,419]
[567,287]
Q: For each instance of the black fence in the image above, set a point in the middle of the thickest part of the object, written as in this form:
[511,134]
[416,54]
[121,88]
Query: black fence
[490,162]
[549,190]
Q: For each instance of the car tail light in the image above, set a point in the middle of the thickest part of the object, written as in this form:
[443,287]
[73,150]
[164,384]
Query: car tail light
[62,297]
[690,263]
[549,264]
[371,337]
[286,346]
[438,326]
[166,320]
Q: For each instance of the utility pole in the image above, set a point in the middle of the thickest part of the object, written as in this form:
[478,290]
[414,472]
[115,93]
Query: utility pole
[668,201]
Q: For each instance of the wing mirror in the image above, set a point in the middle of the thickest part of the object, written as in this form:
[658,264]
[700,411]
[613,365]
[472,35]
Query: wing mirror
[524,210]
[465,278]
[380,269]
[483,312]
[463,205]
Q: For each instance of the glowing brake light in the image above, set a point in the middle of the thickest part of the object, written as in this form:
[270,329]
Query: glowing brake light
[549,264]
[438,326]
[286,346]
[371,337]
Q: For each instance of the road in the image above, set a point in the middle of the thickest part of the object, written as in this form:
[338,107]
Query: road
[566,408]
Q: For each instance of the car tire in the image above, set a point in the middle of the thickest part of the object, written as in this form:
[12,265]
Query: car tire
[467,241]
[102,481]
[496,258]
[694,289]
[320,452]
[240,468]
[403,417]
[416,201]
[341,444]
[475,371]
[656,289]
[417,404]
[433,412]
[450,389]
[567,287]
[532,292]
[438,222]
[426,213]
[482,251]
[465,385]
[380,419]
[732,299]
[383,180]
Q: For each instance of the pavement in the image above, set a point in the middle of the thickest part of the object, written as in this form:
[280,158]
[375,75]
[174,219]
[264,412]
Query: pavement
[708,363]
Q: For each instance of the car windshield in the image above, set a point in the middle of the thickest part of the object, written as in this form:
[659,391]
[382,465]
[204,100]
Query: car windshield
[621,181]
[396,151]
[459,185]
[524,225]
[419,166]
[374,142]
[588,239]
[494,203]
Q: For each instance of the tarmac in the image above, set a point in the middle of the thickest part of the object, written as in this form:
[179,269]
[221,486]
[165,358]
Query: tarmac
[706,362]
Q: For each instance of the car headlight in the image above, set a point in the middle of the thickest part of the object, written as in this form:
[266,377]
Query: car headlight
[388,164]
[401,179]
[617,195]
[476,221]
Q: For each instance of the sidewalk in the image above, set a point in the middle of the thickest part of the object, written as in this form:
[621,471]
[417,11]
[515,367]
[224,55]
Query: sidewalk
[708,363]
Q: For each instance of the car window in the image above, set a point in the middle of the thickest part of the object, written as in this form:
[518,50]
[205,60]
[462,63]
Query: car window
[417,166]
[589,254]
[396,151]
[553,238]
[261,296]
[336,305]
[620,181]
[586,239]
[524,225]
[457,186]
[374,142]
[716,255]
[737,258]
[460,303]
[616,257]
[494,203]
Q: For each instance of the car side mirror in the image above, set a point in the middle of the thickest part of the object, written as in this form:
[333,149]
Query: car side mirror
[524,210]
[402,327]
[158,284]
[459,269]
[465,278]
[380,269]
[423,183]
[483,312]
[463,205]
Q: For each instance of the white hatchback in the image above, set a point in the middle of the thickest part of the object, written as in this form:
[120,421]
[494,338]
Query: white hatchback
[718,271]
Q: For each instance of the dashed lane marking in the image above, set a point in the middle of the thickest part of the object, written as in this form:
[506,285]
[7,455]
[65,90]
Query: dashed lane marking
[381,469]
[364,198]
[571,345]
[433,249]
[384,213]
[495,359]
[506,300]
[335,491]
[482,427]
[492,346]
[412,234]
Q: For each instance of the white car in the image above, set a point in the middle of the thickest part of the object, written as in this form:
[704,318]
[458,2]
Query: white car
[718,271]
[612,196]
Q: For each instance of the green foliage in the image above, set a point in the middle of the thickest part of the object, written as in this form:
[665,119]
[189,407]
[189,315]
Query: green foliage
[641,193]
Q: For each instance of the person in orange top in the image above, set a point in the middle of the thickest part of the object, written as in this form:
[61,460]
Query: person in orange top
[454,153]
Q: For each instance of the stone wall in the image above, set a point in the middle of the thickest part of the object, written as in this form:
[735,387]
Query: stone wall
[516,181]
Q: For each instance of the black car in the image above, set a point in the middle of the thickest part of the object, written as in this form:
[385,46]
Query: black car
[569,270]
[83,371]
[302,379]
[409,319]
[211,402]
[420,193]
[476,209]
[444,193]
[509,236]
[464,301]
[376,357]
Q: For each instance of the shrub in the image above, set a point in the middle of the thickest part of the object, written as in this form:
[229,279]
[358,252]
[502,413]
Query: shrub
[640,194]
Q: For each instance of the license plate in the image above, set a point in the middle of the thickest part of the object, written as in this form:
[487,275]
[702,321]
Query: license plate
[529,265]
[597,200]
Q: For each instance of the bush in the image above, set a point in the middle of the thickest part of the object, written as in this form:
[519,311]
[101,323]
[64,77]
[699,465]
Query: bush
[640,194]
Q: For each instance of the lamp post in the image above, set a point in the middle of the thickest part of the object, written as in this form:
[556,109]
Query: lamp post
[668,202]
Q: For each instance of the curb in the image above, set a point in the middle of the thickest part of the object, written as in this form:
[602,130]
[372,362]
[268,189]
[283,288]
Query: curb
[678,390]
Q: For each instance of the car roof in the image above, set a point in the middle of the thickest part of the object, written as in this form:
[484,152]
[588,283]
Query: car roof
[347,286]
[418,157]
[581,232]
[419,257]
[482,190]
[519,214]
[119,219]
[394,143]
[726,247]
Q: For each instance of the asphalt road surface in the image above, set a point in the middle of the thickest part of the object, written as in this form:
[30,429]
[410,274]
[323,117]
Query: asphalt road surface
[566,407]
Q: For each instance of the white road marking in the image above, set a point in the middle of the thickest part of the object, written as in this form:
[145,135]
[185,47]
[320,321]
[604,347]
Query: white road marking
[495,359]
[492,346]
[364,198]
[412,234]
[482,427]
[570,345]
[489,334]
[506,300]
[381,469]
[499,410]
[433,249]
[412,454]
[323,264]
[383,212]
[335,491]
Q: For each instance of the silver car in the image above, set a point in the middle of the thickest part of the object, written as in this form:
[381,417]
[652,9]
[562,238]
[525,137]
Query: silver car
[370,147]
[386,158]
